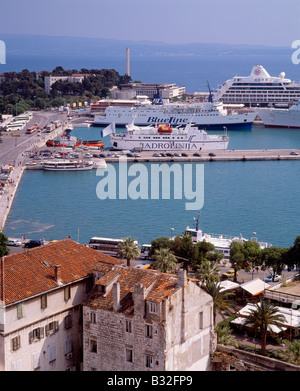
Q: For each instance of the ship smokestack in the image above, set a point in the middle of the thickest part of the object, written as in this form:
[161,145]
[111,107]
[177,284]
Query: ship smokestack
[127,62]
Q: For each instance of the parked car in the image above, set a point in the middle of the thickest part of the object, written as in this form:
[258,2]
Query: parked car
[229,273]
[211,154]
[184,154]
[14,242]
[156,154]
[197,154]
[294,153]
[273,278]
[33,243]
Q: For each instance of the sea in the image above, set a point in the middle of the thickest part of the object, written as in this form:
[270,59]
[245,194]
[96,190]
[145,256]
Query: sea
[253,199]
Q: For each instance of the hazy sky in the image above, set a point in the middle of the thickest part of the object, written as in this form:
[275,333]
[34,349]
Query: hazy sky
[266,22]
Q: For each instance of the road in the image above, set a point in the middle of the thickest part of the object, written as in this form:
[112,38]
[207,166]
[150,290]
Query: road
[11,147]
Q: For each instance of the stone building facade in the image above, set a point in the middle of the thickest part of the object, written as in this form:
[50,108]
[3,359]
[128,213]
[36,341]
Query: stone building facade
[41,292]
[142,320]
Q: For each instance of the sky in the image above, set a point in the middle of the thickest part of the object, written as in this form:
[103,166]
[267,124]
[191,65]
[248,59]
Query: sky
[258,22]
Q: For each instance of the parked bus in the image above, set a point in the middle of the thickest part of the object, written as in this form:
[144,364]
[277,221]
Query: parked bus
[31,130]
[145,251]
[107,246]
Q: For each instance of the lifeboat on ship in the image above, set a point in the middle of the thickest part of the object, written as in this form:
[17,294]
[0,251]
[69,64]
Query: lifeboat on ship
[164,128]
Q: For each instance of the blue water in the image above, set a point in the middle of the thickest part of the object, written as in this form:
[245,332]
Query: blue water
[191,72]
[239,197]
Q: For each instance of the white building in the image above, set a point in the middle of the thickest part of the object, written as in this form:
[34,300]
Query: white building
[40,309]
[166,90]
[75,78]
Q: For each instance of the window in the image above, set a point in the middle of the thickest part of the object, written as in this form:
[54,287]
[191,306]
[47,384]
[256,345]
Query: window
[201,320]
[52,353]
[68,346]
[129,355]
[148,331]
[152,307]
[68,322]
[36,334]
[35,360]
[93,317]
[93,346]
[16,343]
[67,293]
[128,325]
[149,361]
[51,328]
[43,302]
[20,311]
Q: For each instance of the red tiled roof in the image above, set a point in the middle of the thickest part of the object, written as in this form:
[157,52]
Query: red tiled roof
[160,287]
[32,272]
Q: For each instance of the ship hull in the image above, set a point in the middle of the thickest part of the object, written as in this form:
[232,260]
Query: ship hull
[280,118]
[214,122]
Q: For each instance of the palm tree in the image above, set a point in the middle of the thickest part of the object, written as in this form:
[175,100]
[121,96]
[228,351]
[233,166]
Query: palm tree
[165,260]
[292,352]
[222,301]
[208,271]
[224,335]
[261,318]
[128,249]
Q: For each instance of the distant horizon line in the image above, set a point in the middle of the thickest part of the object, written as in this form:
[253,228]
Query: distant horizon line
[254,45]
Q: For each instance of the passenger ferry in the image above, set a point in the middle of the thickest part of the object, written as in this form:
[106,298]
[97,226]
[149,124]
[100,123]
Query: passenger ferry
[67,165]
[281,118]
[221,242]
[208,115]
[258,89]
[165,138]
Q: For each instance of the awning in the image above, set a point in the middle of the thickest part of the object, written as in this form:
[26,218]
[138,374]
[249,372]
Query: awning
[226,285]
[255,287]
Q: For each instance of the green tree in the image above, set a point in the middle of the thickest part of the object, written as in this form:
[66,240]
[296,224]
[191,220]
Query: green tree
[292,352]
[165,260]
[261,318]
[223,302]
[156,244]
[274,258]
[237,258]
[293,254]
[128,249]
[224,334]
[185,250]
[208,271]
[252,253]
[4,250]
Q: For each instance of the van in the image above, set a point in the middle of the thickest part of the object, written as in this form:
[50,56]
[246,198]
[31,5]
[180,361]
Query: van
[14,242]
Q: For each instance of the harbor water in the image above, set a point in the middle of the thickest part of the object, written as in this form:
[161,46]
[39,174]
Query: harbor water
[239,198]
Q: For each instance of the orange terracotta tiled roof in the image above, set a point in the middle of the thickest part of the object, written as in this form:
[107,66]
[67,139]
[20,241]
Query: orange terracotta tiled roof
[32,272]
[160,287]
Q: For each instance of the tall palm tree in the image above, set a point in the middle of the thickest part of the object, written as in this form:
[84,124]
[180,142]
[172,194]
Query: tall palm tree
[208,271]
[222,301]
[128,249]
[165,260]
[264,315]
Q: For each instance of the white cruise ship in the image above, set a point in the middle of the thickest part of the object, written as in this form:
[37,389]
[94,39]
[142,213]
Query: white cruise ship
[281,118]
[207,115]
[164,138]
[259,89]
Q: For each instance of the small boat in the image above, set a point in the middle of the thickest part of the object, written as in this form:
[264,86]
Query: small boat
[70,141]
[68,165]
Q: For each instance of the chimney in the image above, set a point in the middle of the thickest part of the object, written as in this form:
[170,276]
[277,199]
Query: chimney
[182,278]
[127,62]
[139,296]
[116,296]
[57,271]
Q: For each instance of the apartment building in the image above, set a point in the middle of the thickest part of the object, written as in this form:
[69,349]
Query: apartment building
[143,320]
[40,309]
[75,78]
